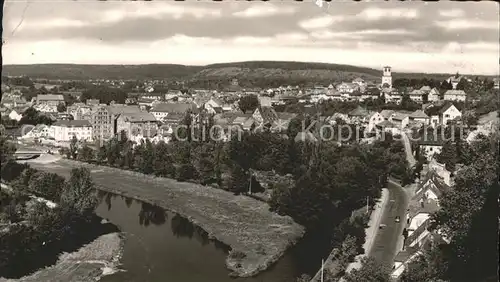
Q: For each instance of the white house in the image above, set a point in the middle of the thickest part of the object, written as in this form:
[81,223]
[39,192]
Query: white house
[359,81]
[417,95]
[347,88]
[391,95]
[374,119]
[64,130]
[455,95]
[441,171]
[434,95]
[401,120]
[441,115]
[15,115]
[161,110]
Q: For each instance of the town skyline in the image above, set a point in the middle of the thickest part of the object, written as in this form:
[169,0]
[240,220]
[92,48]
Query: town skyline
[441,38]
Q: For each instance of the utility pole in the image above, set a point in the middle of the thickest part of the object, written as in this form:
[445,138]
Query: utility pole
[250,185]
[367,203]
[322,268]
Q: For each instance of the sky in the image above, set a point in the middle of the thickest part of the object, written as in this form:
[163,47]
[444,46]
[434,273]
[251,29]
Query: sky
[409,36]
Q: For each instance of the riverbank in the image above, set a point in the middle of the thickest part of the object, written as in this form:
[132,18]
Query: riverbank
[257,236]
[91,262]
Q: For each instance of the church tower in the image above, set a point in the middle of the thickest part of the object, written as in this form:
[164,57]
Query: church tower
[387,77]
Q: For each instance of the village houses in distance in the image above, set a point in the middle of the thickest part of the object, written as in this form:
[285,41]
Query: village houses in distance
[153,115]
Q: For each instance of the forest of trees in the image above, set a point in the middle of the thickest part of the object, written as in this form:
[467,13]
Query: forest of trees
[35,227]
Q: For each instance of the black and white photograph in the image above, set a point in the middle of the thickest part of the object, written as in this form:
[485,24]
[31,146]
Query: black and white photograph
[249,141]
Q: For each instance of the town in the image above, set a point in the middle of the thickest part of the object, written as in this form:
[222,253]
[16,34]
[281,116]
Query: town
[82,120]
[244,141]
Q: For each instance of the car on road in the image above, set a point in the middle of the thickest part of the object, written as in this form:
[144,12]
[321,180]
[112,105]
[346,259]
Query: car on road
[397,219]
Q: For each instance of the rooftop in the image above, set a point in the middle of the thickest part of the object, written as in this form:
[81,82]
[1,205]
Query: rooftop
[173,107]
[72,123]
[138,117]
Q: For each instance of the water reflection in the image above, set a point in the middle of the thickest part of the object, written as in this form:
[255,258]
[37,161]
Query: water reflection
[151,214]
[182,251]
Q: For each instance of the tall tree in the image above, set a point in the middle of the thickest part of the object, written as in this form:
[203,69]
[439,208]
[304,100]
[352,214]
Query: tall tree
[248,103]
[370,271]
[80,193]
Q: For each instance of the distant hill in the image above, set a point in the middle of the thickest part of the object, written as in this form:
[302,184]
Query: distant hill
[248,73]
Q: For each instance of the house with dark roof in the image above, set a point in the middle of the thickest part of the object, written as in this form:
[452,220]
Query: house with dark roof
[420,116]
[442,114]
[359,115]
[140,123]
[162,110]
[64,130]
[265,116]
[431,144]
[434,95]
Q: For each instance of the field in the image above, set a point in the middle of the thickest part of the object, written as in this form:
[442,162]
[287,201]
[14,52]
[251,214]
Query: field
[258,236]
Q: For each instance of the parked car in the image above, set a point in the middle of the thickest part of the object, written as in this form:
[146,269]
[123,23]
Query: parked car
[397,219]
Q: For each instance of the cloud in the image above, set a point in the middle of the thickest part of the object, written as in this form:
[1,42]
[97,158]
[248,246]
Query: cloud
[373,14]
[452,13]
[264,10]
[467,24]
[319,22]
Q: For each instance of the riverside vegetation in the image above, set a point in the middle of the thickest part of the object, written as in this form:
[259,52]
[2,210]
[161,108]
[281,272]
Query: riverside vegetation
[330,182]
[32,232]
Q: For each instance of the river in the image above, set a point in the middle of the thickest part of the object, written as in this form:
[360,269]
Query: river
[165,247]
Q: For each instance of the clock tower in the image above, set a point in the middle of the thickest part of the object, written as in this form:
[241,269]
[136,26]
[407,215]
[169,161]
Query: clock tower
[386,77]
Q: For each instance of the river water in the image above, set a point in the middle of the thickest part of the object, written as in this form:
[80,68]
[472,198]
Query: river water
[161,246]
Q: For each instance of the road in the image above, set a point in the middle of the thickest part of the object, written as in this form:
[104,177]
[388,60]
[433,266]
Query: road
[387,241]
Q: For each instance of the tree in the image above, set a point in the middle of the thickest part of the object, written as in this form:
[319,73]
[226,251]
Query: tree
[370,271]
[73,147]
[162,161]
[239,180]
[61,107]
[7,150]
[86,154]
[248,103]
[33,117]
[47,185]
[80,193]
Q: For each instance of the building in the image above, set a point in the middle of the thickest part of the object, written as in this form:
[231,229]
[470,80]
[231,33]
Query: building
[441,115]
[430,145]
[374,119]
[359,115]
[455,95]
[162,110]
[47,102]
[359,81]
[434,95]
[14,115]
[103,119]
[142,124]
[347,88]
[417,95]
[386,77]
[400,120]
[420,117]
[64,130]
[392,95]
[454,80]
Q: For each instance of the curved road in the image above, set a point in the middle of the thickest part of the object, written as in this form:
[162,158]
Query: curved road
[388,241]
